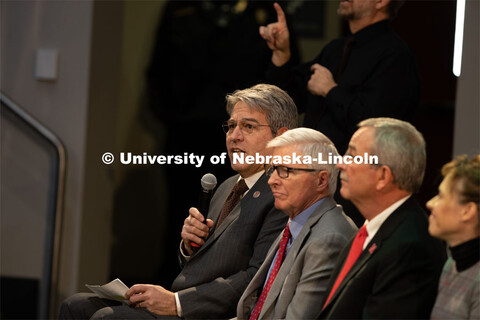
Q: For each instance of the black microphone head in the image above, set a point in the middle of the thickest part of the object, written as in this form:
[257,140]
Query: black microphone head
[209,181]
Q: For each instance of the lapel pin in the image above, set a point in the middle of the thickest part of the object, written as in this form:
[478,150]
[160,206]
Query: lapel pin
[256,194]
[372,248]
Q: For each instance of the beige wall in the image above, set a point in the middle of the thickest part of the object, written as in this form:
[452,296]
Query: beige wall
[104,49]
[98,192]
[78,107]
[62,106]
[138,36]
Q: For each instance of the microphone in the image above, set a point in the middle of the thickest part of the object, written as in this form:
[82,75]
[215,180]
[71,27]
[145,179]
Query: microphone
[208,183]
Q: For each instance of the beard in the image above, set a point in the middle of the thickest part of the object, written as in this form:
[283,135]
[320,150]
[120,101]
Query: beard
[345,13]
[349,10]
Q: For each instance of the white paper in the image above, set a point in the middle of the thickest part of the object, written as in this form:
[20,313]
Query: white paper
[114,290]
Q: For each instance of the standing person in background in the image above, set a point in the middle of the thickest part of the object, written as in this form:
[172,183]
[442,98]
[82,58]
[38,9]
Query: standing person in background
[369,73]
[455,219]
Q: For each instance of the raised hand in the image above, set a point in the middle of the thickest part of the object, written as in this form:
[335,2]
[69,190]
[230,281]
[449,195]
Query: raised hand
[277,37]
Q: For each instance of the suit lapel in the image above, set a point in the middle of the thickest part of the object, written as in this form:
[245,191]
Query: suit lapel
[216,208]
[252,291]
[386,229]
[361,261]
[254,195]
[276,289]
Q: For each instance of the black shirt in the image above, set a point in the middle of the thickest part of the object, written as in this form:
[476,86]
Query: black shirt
[466,254]
[380,79]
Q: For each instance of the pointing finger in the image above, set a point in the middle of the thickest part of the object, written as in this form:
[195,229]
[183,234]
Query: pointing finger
[280,14]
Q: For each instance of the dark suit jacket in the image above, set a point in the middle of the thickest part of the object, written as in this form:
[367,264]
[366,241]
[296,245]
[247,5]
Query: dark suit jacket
[397,274]
[303,277]
[214,278]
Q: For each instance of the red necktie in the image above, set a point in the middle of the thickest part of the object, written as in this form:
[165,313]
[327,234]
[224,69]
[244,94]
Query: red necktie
[355,251]
[232,200]
[273,274]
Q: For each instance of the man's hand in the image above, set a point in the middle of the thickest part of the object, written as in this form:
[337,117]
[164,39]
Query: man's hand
[154,298]
[321,81]
[194,229]
[277,37]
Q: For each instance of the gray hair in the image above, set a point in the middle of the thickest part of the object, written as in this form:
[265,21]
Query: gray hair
[279,108]
[311,143]
[400,147]
[465,178]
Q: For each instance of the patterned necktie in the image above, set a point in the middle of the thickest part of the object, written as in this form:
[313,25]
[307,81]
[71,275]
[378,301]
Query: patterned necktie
[355,251]
[278,262]
[232,200]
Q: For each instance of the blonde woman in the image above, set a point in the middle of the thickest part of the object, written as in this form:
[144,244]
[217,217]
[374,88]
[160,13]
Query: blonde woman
[455,219]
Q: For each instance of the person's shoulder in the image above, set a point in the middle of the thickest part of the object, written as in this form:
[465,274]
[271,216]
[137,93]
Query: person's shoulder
[473,273]
[399,42]
[394,43]
[415,215]
[261,186]
[334,221]
[410,218]
[409,225]
[332,230]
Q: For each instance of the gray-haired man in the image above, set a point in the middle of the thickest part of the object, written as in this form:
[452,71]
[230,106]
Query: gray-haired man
[391,268]
[294,276]
[213,278]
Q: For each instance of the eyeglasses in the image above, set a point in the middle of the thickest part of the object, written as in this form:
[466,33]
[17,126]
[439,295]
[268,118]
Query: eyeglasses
[247,127]
[283,171]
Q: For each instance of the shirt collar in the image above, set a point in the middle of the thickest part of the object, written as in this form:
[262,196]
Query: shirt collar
[371,32]
[250,181]
[297,223]
[374,225]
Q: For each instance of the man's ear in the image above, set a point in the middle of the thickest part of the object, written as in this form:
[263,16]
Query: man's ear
[322,182]
[281,131]
[384,177]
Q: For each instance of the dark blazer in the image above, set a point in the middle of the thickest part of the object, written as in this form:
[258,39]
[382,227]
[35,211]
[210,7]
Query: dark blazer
[214,278]
[397,274]
[303,277]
